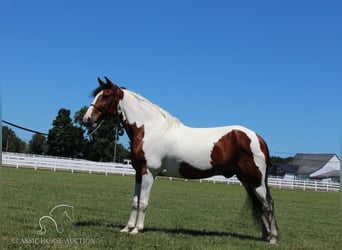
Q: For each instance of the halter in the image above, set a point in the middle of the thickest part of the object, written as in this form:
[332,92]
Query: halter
[105,110]
[99,109]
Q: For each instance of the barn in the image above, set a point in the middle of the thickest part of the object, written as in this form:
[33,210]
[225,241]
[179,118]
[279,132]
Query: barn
[283,170]
[309,166]
[317,166]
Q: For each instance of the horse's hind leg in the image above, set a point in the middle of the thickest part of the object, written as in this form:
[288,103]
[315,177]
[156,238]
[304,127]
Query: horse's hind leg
[263,209]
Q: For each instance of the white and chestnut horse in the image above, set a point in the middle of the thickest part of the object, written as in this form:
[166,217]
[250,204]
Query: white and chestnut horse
[161,144]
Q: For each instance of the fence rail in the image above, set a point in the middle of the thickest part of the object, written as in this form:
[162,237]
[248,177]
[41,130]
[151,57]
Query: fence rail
[56,163]
[68,164]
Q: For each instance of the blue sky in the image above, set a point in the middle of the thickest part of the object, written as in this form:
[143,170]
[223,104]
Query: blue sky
[272,66]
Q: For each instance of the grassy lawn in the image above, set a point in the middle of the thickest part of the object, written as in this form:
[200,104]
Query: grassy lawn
[181,215]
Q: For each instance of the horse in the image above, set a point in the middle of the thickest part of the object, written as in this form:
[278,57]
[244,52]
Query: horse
[162,145]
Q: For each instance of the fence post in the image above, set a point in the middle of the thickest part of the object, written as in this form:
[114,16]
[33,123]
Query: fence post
[18,162]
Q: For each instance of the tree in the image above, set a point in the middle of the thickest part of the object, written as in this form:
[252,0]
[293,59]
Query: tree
[78,118]
[277,159]
[64,139]
[11,142]
[100,146]
[37,144]
[122,153]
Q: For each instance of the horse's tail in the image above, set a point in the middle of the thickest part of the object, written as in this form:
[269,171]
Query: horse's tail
[255,204]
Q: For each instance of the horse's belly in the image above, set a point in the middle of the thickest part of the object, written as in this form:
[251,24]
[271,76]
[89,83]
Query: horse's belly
[189,164]
[170,168]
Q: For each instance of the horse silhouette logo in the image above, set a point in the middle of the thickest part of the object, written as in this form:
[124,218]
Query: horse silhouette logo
[56,215]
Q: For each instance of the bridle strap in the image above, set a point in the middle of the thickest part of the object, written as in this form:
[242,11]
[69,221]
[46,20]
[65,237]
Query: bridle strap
[97,108]
[104,111]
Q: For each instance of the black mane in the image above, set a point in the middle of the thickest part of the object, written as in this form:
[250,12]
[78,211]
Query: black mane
[104,85]
[100,88]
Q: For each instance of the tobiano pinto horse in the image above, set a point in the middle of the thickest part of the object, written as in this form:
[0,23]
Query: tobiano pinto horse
[162,145]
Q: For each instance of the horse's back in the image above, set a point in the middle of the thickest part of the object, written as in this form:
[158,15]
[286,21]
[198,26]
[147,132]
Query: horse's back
[203,148]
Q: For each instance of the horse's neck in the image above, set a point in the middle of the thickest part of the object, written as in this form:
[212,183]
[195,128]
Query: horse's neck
[137,110]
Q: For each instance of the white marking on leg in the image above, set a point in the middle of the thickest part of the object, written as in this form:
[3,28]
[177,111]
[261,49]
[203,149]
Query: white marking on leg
[146,186]
[134,212]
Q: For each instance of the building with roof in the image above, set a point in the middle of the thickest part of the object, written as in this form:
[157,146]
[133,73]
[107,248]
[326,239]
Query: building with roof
[317,166]
[284,170]
[309,166]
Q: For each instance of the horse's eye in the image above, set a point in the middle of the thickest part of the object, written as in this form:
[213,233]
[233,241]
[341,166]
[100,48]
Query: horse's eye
[105,97]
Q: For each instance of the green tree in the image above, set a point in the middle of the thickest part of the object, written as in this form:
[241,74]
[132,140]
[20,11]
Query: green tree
[78,118]
[37,144]
[65,139]
[100,146]
[11,142]
[277,159]
[122,153]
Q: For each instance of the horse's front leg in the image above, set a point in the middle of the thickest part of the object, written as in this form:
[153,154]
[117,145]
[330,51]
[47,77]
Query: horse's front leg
[145,191]
[133,217]
[141,197]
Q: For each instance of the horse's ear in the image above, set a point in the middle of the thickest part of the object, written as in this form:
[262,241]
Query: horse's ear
[109,81]
[100,81]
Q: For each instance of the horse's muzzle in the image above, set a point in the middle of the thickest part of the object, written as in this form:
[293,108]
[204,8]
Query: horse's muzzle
[89,123]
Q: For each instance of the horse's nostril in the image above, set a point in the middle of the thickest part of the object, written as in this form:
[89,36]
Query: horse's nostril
[87,120]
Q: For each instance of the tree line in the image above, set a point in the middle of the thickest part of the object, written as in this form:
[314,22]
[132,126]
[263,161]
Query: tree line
[68,138]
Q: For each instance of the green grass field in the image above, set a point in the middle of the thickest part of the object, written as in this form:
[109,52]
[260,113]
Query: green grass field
[181,215]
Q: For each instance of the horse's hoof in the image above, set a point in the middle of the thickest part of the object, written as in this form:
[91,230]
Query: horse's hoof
[134,231]
[273,240]
[125,230]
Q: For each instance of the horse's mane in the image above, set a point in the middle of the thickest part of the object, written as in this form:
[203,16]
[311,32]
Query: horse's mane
[170,120]
[103,87]
[100,88]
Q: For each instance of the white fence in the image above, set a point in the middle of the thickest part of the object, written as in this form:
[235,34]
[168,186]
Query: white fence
[67,164]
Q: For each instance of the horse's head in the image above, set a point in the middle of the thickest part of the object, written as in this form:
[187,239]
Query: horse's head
[106,99]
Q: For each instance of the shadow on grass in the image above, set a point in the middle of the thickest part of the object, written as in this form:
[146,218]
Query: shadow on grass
[185,231]
[193,232]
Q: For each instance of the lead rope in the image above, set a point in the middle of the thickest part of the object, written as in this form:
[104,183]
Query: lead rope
[97,127]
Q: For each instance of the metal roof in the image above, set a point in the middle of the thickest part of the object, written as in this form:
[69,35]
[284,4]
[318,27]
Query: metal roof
[309,163]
